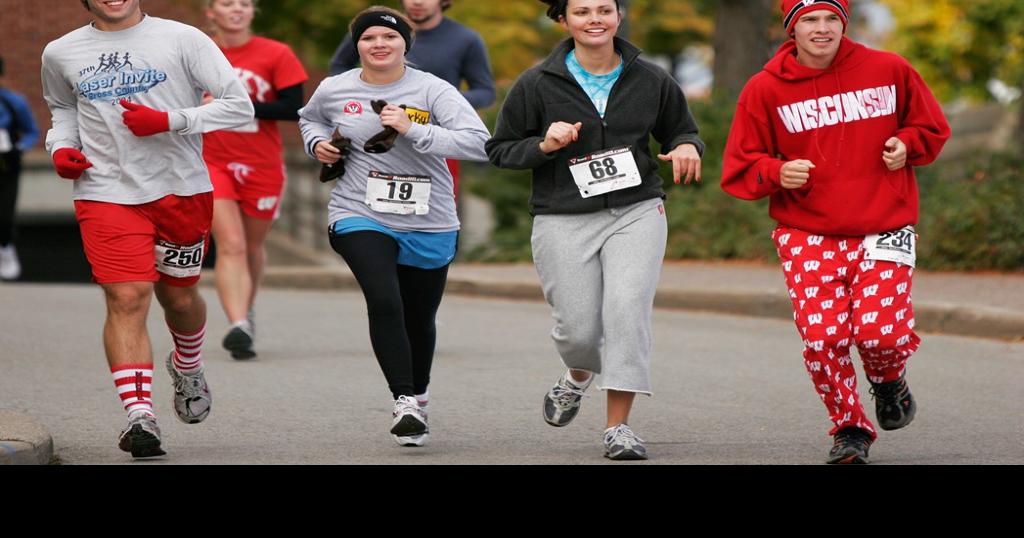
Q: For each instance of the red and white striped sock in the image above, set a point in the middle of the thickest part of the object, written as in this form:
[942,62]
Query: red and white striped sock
[188,351]
[134,386]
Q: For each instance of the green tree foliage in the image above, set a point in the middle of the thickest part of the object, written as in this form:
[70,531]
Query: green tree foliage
[971,215]
[958,45]
[668,27]
[313,29]
[517,32]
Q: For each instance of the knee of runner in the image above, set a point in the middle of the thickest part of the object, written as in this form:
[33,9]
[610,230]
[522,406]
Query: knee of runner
[128,298]
[383,306]
[252,247]
[231,246]
[883,339]
[579,339]
[819,338]
[180,300]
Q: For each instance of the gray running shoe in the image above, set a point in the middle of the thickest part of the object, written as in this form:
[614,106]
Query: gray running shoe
[620,443]
[141,437]
[239,342]
[192,398]
[409,424]
[562,402]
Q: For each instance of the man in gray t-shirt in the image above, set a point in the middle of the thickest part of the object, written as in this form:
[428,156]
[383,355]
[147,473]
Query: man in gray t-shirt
[125,93]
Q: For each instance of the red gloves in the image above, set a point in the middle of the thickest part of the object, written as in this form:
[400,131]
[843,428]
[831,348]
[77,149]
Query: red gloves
[70,163]
[144,121]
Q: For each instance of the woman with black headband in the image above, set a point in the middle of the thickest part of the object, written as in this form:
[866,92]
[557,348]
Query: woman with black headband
[582,120]
[392,213]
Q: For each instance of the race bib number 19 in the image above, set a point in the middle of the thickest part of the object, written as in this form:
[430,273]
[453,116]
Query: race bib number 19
[604,171]
[179,261]
[398,194]
[898,246]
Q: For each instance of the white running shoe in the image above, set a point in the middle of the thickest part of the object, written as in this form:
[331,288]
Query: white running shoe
[141,437]
[409,424]
[192,399]
[10,267]
[620,443]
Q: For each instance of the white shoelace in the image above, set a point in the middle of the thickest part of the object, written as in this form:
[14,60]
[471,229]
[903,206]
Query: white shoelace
[624,436]
[405,405]
[564,397]
[190,386]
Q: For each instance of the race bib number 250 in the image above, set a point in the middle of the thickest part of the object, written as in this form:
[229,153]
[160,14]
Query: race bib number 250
[179,261]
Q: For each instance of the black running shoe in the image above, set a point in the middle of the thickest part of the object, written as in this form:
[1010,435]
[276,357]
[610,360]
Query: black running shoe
[239,342]
[894,405]
[851,446]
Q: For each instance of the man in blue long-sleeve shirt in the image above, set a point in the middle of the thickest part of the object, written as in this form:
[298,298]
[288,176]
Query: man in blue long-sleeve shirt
[443,48]
[18,134]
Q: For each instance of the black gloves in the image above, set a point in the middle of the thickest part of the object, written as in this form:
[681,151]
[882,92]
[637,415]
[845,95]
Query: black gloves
[384,140]
[336,170]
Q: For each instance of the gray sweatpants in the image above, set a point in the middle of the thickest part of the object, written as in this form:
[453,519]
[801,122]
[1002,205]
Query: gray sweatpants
[599,272]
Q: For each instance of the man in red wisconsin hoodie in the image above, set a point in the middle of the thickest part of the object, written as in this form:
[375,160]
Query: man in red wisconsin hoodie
[830,130]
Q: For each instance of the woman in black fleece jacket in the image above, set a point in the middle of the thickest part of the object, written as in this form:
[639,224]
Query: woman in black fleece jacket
[582,121]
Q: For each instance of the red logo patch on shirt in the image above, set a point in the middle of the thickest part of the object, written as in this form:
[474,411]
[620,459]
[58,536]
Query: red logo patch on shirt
[353,108]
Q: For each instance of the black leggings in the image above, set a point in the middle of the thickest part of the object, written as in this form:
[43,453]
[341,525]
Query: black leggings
[401,303]
[10,169]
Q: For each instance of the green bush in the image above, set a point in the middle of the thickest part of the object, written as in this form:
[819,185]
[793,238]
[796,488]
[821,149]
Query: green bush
[972,216]
[508,192]
[703,221]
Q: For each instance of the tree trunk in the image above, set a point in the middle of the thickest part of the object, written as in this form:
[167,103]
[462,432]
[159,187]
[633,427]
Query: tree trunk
[741,42]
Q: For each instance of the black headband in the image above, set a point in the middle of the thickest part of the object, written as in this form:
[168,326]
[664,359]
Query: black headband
[381,18]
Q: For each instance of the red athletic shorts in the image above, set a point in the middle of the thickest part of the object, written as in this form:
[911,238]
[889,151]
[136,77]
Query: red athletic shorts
[258,190]
[164,240]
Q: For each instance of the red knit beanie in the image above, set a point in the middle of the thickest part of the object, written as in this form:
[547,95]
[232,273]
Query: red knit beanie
[792,9]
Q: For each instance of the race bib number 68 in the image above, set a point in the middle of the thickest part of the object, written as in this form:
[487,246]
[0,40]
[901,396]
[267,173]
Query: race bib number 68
[605,171]
[179,261]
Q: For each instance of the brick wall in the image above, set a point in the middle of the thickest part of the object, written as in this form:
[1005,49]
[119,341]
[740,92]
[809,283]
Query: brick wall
[27,26]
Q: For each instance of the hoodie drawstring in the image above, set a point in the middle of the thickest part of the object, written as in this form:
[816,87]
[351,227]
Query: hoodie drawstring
[842,130]
[817,99]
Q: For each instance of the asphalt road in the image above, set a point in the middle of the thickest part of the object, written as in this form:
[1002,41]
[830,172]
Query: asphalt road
[728,390]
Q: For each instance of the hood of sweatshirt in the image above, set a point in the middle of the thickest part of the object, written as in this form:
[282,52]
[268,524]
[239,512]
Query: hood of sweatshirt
[785,66]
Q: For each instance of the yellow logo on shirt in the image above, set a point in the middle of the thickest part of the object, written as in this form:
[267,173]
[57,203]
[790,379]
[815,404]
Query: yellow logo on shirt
[421,117]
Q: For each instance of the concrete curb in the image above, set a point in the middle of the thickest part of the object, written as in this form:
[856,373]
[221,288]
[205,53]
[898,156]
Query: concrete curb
[23,441]
[941,318]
